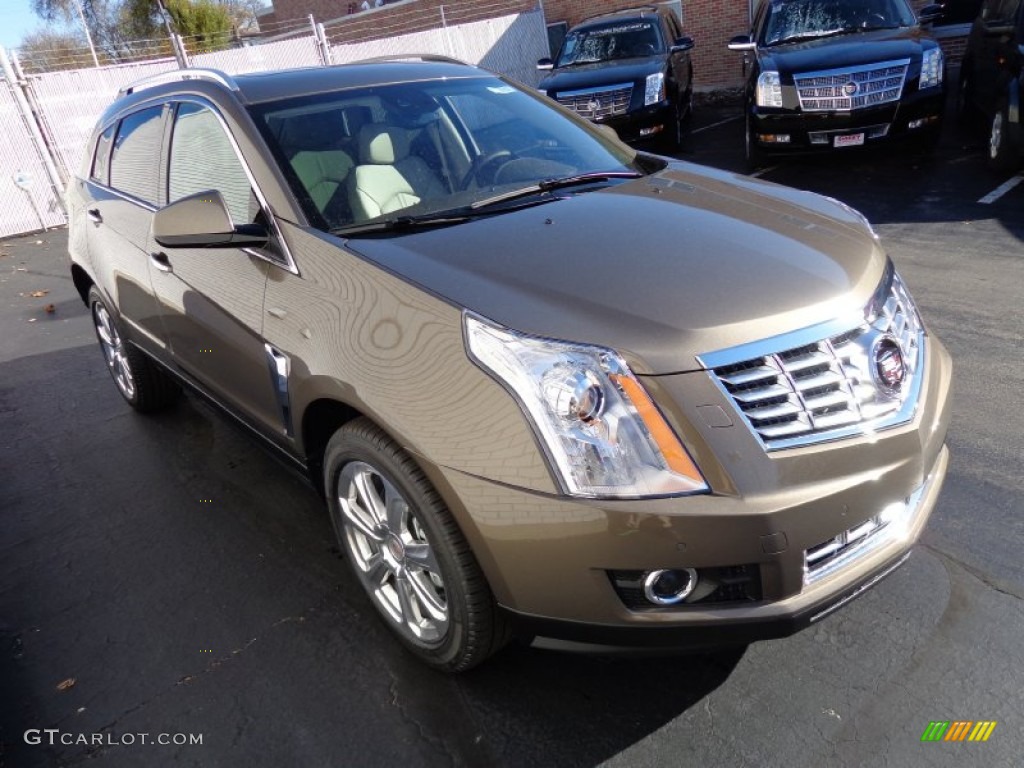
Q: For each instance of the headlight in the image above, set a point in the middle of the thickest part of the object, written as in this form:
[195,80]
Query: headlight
[931,69]
[655,90]
[603,434]
[769,89]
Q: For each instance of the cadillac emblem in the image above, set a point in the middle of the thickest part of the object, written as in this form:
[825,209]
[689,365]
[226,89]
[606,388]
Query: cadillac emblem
[594,105]
[850,88]
[889,366]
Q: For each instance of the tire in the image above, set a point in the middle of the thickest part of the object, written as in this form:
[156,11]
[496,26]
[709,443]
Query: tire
[383,508]
[968,116]
[753,154]
[672,139]
[1003,145]
[141,382]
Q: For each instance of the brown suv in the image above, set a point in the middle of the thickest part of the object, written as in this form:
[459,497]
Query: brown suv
[548,385]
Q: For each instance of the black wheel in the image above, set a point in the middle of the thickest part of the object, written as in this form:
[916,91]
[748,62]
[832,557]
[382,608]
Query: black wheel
[139,380]
[968,116]
[407,551]
[1003,145]
[754,156]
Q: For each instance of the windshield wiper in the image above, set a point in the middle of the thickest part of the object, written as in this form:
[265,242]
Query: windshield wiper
[548,185]
[830,33]
[400,223]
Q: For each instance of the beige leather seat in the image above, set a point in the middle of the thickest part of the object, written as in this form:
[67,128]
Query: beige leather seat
[322,173]
[388,178]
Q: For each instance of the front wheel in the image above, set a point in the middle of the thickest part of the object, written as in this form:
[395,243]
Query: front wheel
[407,551]
[139,380]
[754,156]
[1003,150]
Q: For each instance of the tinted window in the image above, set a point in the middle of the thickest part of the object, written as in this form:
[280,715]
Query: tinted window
[135,161]
[203,158]
[101,160]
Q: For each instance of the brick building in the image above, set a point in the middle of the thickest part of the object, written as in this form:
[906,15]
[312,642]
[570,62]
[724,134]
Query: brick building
[710,22]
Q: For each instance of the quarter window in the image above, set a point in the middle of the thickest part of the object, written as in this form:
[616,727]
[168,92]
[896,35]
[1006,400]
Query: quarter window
[101,160]
[203,158]
[134,161]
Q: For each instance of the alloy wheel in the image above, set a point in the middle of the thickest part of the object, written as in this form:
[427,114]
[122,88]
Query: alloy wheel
[113,350]
[995,139]
[392,555]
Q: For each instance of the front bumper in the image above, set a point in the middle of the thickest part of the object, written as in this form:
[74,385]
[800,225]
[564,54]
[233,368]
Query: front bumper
[549,560]
[916,115]
[643,125]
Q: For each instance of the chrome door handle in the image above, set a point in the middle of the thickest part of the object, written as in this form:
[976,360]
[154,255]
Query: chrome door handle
[161,262]
[94,215]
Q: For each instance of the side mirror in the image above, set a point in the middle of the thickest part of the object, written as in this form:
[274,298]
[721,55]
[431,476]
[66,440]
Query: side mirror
[742,43]
[545,64]
[681,45]
[202,221]
[930,14]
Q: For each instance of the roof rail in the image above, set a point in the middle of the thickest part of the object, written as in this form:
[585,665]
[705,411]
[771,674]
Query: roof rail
[413,57]
[178,75]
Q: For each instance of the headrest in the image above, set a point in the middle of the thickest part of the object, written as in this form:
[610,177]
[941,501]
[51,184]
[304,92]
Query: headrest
[382,144]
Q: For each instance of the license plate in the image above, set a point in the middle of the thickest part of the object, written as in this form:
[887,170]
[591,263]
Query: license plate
[850,140]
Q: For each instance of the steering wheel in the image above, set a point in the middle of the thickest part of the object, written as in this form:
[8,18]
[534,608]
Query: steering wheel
[491,162]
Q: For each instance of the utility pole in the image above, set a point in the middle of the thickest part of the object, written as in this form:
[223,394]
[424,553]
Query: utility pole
[88,34]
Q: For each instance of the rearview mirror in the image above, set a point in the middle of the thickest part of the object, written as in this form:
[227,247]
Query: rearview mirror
[930,14]
[202,221]
[681,45]
[545,64]
[742,43]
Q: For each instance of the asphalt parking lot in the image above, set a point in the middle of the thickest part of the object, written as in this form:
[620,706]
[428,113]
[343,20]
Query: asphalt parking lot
[165,576]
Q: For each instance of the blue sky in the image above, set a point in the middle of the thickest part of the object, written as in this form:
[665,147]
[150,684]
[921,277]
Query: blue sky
[16,18]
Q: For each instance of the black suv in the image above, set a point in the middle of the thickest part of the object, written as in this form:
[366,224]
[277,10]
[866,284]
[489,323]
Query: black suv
[991,79]
[630,70]
[823,75]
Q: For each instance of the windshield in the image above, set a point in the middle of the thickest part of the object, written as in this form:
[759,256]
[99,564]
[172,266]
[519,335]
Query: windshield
[794,20]
[420,149]
[612,41]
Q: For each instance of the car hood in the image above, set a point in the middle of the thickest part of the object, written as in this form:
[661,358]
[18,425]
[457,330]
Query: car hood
[847,50]
[664,268]
[601,74]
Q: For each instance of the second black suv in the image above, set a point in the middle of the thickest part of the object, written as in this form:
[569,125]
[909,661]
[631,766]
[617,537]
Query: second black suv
[992,79]
[823,75]
[630,70]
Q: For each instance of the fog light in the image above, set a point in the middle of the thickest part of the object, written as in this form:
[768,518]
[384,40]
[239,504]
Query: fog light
[652,130]
[921,122]
[668,587]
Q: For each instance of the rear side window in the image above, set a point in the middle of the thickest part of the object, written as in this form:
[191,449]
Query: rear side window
[135,160]
[101,160]
[203,158]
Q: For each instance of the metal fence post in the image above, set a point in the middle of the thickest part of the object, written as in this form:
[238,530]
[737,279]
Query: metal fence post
[18,88]
[323,45]
[180,52]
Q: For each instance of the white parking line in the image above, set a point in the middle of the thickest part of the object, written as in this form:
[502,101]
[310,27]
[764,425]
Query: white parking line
[715,125]
[763,171]
[1002,189]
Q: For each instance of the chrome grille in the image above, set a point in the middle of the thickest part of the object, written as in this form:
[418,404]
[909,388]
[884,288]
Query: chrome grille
[594,103]
[828,388]
[849,88]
